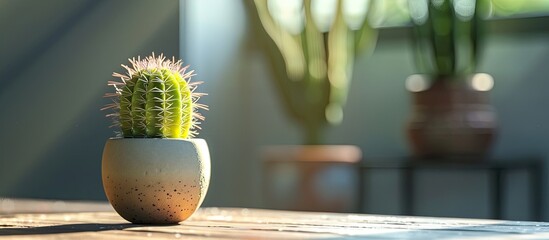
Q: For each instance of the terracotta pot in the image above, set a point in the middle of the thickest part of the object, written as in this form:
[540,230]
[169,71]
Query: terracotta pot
[451,118]
[155,181]
[312,178]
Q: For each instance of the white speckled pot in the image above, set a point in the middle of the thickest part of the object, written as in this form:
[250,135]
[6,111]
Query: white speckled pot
[155,181]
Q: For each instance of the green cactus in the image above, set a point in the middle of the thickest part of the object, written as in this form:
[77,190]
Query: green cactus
[155,99]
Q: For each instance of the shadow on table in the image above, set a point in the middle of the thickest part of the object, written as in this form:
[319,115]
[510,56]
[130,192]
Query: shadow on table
[65,228]
[537,230]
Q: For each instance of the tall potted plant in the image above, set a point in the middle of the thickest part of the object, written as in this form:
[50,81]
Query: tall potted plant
[155,172]
[451,114]
[311,63]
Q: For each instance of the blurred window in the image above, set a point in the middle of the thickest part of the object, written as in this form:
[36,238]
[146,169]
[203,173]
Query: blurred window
[392,13]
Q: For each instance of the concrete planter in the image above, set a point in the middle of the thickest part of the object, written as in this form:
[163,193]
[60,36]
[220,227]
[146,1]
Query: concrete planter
[155,181]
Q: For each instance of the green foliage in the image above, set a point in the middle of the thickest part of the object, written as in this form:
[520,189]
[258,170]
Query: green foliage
[447,35]
[155,99]
[312,66]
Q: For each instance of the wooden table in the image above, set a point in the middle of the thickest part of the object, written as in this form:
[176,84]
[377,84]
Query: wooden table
[240,223]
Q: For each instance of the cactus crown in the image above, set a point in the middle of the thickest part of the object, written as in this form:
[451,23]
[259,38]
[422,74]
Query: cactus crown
[155,99]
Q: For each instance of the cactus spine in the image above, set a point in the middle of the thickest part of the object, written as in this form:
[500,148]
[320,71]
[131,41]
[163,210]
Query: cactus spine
[155,99]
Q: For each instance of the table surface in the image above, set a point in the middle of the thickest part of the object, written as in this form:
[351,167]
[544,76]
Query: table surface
[29,219]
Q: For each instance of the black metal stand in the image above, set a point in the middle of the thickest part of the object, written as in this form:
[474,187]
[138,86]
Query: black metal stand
[496,168]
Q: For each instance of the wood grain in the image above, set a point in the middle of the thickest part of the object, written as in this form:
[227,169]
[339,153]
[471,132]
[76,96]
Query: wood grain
[238,223]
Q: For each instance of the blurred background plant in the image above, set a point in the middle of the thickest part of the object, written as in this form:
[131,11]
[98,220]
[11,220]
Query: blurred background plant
[451,113]
[447,35]
[316,43]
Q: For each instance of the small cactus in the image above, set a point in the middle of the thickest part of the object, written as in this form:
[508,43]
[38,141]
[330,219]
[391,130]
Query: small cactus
[155,99]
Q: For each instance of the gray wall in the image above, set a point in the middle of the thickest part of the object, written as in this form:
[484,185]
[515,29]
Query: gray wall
[55,59]
[55,64]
